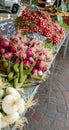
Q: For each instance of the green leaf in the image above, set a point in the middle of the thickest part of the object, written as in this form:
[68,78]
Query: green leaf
[27,71]
[37,77]
[31,24]
[29,84]
[48,44]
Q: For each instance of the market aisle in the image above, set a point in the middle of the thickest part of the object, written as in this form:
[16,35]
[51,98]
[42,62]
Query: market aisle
[53,115]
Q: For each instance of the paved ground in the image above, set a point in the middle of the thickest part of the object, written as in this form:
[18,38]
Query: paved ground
[53,114]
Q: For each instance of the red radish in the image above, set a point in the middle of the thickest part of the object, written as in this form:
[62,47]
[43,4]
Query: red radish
[31,60]
[25,47]
[2,50]
[12,49]
[29,53]
[26,62]
[42,57]
[40,73]
[42,24]
[38,64]
[5,43]
[33,44]
[14,40]
[44,69]
[15,55]
[19,36]
[8,55]
[35,71]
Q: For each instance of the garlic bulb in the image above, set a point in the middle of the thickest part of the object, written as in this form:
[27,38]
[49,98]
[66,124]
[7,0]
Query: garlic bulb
[10,104]
[9,119]
[1,93]
[12,91]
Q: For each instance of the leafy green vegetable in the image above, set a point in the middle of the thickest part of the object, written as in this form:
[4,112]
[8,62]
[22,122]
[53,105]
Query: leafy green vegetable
[28,84]
[64,25]
[48,44]
[37,77]
[30,24]
[19,23]
[28,71]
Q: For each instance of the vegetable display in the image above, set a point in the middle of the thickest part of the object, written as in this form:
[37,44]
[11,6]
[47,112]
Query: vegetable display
[41,23]
[20,60]
[25,61]
[11,104]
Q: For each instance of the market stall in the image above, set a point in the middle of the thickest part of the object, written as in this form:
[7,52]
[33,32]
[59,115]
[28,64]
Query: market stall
[27,50]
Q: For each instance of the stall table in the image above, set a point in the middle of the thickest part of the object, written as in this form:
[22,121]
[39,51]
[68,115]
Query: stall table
[31,91]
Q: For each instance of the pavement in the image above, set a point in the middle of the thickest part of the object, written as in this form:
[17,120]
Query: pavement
[52,112]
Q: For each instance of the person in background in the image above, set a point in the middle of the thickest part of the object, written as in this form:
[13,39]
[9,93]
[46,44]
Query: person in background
[57,3]
[60,3]
[41,3]
[63,5]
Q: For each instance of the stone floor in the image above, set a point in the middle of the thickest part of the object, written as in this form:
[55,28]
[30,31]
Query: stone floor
[52,113]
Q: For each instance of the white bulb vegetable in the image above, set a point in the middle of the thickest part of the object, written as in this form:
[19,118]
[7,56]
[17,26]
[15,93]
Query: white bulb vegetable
[13,117]
[40,73]
[4,121]
[12,91]
[10,104]
[22,106]
[9,119]
[1,93]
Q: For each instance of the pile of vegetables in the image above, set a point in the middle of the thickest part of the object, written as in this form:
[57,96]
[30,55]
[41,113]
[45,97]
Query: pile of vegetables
[12,105]
[41,23]
[21,60]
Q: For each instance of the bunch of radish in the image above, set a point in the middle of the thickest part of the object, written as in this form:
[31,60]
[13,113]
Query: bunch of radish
[41,23]
[15,51]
